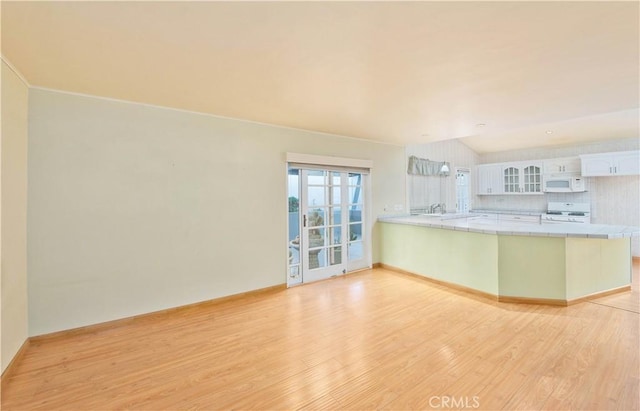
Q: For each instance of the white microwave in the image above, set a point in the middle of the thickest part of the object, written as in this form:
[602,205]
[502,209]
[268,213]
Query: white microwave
[563,185]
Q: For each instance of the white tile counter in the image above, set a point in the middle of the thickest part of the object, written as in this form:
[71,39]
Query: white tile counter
[477,224]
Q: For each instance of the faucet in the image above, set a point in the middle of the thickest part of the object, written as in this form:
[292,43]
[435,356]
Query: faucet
[435,206]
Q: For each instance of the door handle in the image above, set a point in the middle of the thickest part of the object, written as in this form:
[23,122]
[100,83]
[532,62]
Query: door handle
[304,220]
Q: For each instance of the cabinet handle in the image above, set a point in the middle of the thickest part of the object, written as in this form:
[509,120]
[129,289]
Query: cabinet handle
[615,169]
[610,170]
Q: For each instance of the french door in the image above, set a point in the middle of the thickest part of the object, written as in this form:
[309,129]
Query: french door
[333,237]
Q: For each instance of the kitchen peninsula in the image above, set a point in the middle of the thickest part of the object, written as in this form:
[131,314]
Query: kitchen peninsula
[558,264]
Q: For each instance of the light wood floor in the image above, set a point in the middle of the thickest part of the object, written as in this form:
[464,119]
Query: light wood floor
[372,340]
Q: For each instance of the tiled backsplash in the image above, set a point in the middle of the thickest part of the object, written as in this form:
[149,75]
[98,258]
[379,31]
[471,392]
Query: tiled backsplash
[534,202]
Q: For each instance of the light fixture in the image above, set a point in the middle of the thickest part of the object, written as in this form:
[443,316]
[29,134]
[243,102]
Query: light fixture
[480,125]
[549,132]
[444,168]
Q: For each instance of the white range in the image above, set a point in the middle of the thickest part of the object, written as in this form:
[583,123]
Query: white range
[567,213]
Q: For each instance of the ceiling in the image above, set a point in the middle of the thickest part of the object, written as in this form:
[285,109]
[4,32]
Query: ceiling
[397,72]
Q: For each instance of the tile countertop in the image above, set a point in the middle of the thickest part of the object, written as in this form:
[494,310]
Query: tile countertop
[516,212]
[472,223]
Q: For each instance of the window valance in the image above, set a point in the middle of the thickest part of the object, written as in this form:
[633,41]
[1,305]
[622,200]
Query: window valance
[425,167]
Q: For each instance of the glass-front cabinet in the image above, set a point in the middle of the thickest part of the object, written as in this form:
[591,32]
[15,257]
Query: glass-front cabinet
[532,179]
[511,177]
[522,178]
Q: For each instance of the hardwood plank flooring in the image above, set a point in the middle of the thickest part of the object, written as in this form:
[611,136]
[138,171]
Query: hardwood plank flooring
[372,340]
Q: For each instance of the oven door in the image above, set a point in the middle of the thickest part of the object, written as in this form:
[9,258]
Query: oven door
[552,219]
[562,219]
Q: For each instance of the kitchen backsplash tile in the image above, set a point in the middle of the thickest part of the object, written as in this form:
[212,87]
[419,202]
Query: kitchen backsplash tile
[532,202]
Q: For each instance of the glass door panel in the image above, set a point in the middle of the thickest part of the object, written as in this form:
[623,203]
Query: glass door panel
[294,274]
[356,241]
[462,190]
[322,225]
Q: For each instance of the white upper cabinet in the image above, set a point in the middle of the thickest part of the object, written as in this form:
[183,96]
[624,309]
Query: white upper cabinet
[622,163]
[566,166]
[522,177]
[489,179]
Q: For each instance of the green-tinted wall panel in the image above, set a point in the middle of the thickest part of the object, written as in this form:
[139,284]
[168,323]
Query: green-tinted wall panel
[554,268]
[464,258]
[595,265]
[532,267]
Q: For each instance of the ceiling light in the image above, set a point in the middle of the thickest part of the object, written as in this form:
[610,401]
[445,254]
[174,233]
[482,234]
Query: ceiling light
[480,125]
[549,132]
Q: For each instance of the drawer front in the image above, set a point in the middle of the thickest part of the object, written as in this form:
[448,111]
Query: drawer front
[526,219]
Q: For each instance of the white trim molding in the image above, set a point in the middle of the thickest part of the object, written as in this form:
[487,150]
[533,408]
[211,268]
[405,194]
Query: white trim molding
[329,160]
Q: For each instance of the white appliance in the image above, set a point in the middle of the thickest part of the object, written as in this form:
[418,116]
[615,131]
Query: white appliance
[563,184]
[567,213]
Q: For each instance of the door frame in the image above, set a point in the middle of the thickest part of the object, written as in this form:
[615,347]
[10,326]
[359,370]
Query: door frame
[464,170]
[310,161]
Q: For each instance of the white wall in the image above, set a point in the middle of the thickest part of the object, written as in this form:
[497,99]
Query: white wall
[135,208]
[13,249]
[425,190]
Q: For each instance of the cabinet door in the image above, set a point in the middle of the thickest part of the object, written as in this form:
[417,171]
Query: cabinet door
[553,166]
[532,179]
[511,179]
[562,166]
[483,180]
[593,166]
[571,165]
[489,179]
[495,176]
[627,164]
[519,219]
